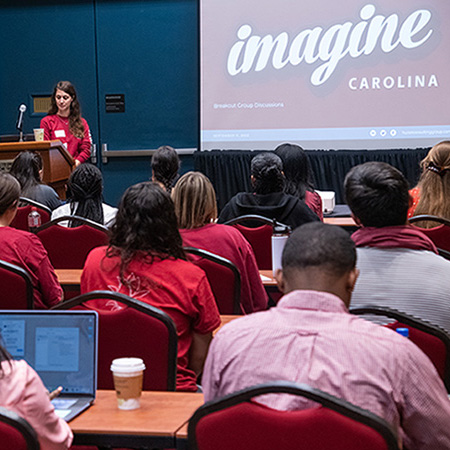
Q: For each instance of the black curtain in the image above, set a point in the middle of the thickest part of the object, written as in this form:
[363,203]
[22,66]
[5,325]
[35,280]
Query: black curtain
[229,170]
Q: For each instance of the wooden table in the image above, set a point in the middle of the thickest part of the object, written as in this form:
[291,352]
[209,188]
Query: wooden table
[154,424]
[69,277]
[340,221]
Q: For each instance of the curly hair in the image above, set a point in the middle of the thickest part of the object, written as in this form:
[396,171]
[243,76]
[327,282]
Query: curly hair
[297,170]
[267,171]
[84,193]
[25,168]
[165,166]
[76,126]
[145,226]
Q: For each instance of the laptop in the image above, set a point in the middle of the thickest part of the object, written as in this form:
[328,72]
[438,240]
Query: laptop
[61,346]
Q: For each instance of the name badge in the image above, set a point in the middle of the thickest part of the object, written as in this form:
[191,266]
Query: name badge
[60,133]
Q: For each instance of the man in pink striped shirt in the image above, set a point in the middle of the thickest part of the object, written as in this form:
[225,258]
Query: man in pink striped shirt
[311,338]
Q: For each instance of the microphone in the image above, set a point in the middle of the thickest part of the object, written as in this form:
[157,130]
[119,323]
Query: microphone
[22,109]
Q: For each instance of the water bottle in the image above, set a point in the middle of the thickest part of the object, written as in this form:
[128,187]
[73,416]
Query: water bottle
[403,331]
[34,219]
[279,237]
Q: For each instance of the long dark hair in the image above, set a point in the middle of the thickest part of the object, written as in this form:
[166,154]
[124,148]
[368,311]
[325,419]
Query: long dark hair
[165,166]
[85,187]
[25,168]
[267,172]
[4,355]
[9,192]
[296,168]
[76,126]
[145,225]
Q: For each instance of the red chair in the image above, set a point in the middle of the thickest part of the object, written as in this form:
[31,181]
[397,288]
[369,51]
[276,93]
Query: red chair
[21,219]
[439,234]
[17,288]
[224,279]
[134,329]
[431,339]
[236,422]
[259,237]
[68,247]
[16,433]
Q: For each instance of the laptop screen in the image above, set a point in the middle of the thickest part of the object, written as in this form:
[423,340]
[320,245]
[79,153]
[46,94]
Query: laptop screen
[60,345]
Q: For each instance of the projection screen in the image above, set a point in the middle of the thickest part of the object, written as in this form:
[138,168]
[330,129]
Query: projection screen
[347,74]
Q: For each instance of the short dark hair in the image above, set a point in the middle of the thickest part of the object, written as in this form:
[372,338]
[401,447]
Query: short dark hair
[165,166]
[9,192]
[267,171]
[377,194]
[319,245]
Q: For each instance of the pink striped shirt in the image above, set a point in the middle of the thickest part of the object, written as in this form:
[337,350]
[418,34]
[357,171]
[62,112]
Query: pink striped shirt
[311,338]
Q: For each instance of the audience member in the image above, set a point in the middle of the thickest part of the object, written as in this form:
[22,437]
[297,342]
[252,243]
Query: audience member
[268,198]
[432,194]
[310,337]
[64,122]
[27,169]
[24,249]
[400,267]
[196,208]
[85,198]
[22,391]
[145,259]
[298,173]
[165,167]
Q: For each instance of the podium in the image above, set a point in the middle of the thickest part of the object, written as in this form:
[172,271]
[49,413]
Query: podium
[57,161]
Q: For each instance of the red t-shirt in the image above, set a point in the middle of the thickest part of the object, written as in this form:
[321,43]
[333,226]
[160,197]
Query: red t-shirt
[25,250]
[177,287]
[415,195]
[56,127]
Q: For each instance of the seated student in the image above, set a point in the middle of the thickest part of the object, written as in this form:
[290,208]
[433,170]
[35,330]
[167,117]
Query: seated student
[195,206]
[432,193]
[27,169]
[310,337]
[24,249]
[268,198]
[85,197]
[145,260]
[165,167]
[298,173]
[399,265]
[22,391]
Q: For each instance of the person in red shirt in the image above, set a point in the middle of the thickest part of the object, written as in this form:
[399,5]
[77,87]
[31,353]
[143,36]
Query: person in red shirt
[64,122]
[24,249]
[145,260]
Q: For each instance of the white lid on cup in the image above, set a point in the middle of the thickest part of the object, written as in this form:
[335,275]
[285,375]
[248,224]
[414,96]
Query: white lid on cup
[127,365]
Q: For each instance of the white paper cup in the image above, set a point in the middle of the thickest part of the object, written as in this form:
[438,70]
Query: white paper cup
[38,134]
[128,374]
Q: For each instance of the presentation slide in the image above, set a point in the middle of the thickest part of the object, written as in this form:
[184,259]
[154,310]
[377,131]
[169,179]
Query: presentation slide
[326,75]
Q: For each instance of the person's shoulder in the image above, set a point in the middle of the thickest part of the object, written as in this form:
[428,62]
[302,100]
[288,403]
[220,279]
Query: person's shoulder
[49,119]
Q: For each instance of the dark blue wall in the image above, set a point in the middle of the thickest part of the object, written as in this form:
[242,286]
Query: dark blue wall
[146,50]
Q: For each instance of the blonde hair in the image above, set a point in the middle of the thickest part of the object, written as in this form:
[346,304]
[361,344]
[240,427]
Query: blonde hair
[434,184]
[195,200]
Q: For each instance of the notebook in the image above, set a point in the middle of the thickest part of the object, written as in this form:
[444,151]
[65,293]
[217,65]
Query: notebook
[61,346]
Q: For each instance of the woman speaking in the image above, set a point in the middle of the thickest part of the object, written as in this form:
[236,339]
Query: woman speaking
[64,122]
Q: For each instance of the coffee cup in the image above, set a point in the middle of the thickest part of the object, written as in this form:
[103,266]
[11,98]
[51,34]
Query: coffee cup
[128,374]
[38,134]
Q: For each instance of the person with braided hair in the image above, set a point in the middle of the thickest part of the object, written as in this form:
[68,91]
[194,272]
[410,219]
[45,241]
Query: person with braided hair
[84,197]
[432,193]
[268,198]
[64,122]
[165,167]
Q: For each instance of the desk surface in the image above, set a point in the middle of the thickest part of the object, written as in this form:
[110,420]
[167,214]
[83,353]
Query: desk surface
[340,221]
[160,416]
[68,277]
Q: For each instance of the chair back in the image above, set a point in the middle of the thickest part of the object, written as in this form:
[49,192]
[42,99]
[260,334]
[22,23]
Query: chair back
[258,231]
[439,234]
[17,287]
[68,248]
[224,279]
[134,329]
[20,221]
[16,433]
[237,422]
[431,339]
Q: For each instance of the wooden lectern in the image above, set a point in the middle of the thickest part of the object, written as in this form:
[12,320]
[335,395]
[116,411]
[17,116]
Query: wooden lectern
[58,163]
